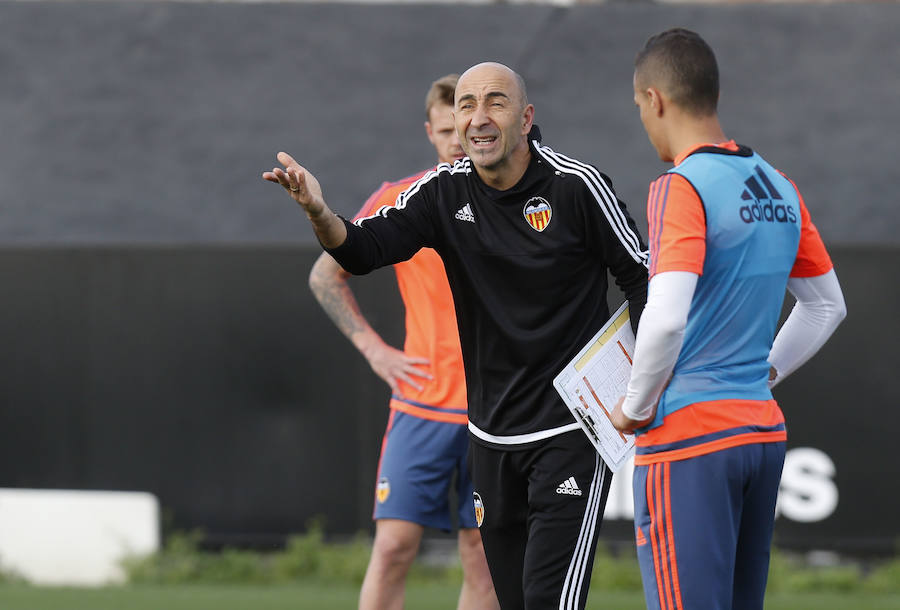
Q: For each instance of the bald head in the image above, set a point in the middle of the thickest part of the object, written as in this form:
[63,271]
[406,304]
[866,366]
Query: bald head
[491,70]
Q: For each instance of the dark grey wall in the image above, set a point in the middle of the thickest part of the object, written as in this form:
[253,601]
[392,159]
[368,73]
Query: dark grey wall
[210,377]
[151,122]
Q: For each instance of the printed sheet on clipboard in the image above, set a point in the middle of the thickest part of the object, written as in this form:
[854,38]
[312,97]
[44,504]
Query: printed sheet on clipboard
[593,382]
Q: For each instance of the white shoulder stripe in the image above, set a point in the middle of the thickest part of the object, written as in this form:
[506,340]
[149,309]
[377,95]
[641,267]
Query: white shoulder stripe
[461,166]
[604,196]
[591,176]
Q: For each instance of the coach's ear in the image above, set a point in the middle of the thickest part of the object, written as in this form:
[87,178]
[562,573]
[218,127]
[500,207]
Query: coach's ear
[527,119]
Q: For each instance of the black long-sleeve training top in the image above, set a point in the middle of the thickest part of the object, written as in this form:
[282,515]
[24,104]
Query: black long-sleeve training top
[528,271]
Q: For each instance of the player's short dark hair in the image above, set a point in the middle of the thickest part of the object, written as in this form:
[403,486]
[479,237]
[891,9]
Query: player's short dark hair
[680,63]
[441,92]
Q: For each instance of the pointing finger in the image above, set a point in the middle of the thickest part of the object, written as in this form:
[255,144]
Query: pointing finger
[286,160]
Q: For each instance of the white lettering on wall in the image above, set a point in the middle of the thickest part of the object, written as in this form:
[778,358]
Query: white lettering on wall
[808,492]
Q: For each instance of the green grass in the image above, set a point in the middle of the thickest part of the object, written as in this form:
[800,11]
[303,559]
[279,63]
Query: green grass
[311,574]
[343,597]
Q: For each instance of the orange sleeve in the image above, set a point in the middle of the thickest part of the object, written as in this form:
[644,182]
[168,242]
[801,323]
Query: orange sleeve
[375,201]
[812,257]
[677,226]
[386,195]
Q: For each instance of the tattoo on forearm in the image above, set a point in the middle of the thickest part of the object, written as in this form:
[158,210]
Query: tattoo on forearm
[339,303]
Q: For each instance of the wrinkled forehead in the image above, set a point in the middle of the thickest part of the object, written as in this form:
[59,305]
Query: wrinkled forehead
[482,81]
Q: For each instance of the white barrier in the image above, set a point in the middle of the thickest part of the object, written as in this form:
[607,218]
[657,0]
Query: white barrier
[68,537]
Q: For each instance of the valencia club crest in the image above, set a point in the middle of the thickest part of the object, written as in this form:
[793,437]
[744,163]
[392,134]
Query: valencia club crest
[479,509]
[382,490]
[537,213]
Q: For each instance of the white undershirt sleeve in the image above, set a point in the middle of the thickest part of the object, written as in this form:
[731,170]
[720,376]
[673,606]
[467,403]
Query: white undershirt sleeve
[659,339]
[819,309]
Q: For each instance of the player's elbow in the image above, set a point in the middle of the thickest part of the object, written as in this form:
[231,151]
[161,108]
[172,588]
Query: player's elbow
[840,310]
[315,279]
[325,272]
[666,323]
[671,333]
[838,313]
[834,309]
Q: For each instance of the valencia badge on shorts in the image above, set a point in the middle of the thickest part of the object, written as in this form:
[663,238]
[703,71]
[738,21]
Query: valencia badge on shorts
[537,213]
[382,490]
[479,508]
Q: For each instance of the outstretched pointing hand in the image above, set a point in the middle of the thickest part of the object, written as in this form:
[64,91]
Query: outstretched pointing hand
[305,190]
[299,183]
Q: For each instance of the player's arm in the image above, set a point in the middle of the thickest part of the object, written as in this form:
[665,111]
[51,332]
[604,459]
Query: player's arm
[820,306]
[656,349]
[817,313]
[328,282]
[677,224]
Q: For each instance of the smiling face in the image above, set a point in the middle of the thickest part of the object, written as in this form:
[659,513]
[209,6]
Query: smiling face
[492,117]
[442,133]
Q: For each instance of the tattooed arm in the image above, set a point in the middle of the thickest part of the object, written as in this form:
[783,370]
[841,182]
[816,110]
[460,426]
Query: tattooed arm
[328,282]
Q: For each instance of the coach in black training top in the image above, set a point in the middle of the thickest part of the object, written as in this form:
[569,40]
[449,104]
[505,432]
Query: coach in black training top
[527,236]
[528,292]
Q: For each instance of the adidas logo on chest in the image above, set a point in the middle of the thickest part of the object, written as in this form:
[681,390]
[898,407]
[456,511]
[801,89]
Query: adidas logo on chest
[465,213]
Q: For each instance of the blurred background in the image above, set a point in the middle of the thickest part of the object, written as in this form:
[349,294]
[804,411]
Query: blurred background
[158,333]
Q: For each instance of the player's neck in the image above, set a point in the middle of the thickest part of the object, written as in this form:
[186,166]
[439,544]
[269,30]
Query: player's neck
[692,132]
